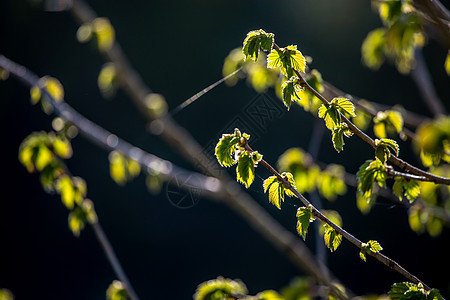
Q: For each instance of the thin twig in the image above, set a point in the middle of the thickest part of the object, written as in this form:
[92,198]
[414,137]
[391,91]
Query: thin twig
[394,159]
[113,260]
[352,239]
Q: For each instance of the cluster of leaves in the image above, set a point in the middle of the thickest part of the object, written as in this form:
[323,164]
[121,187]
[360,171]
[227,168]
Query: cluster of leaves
[122,168]
[223,288]
[101,30]
[401,35]
[43,152]
[309,177]
[408,290]
[331,113]
[433,142]
[261,78]
[231,150]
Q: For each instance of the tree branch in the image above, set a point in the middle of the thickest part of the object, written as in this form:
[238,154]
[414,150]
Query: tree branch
[378,256]
[395,160]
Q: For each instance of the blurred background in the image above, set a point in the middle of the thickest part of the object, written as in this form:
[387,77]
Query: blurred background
[179,48]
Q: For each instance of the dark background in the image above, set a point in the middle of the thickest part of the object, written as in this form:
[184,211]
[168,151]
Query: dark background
[178,47]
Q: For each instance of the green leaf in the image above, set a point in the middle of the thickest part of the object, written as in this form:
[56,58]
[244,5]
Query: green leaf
[62,147]
[256,156]
[388,143]
[409,188]
[290,178]
[331,116]
[116,291]
[220,288]
[369,173]
[332,238]
[269,295]
[372,246]
[289,90]
[276,193]
[287,58]
[382,148]
[225,149]
[304,217]
[254,40]
[245,169]
[338,136]
[66,189]
[388,121]
[408,290]
[372,49]
[365,204]
[331,183]
[344,105]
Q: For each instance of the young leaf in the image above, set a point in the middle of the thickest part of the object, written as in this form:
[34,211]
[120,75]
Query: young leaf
[290,178]
[344,105]
[289,90]
[304,217]
[116,291]
[245,169]
[372,246]
[287,59]
[338,136]
[331,116]
[408,290]
[409,188]
[225,149]
[254,40]
[368,173]
[276,193]
[382,148]
[332,238]
[220,288]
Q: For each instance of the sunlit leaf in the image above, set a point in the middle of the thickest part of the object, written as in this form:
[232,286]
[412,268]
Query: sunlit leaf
[408,290]
[372,49]
[245,169]
[331,182]
[369,173]
[107,80]
[62,147]
[344,105]
[116,291]
[382,146]
[332,238]
[269,295]
[304,217]
[220,288]
[255,40]
[331,116]
[104,32]
[225,149]
[365,204]
[287,58]
[275,188]
[290,89]
[372,246]
[338,136]
[409,188]
[66,189]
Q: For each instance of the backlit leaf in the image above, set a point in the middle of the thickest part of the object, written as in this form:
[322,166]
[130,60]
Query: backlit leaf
[276,193]
[372,49]
[116,291]
[332,238]
[372,246]
[304,217]
[344,105]
[245,169]
[269,295]
[104,32]
[107,80]
[409,188]
[255,40]
[220,288]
